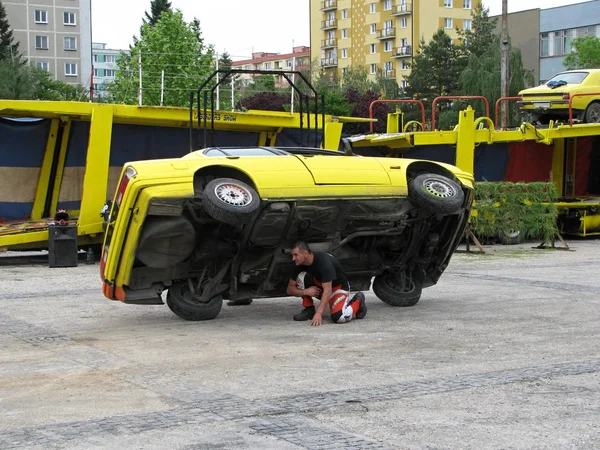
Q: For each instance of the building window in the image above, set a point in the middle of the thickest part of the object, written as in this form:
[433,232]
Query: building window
[344,13]
[447,3]
[41,42]
[405,64]
[373,28]
[69,18]
[467,24]
[387,5]
[41,16]
[373,8]
[110,59]
[372,49]
[448,23]
[562,42]
[387,24]
[467,4]
[70,69]
[404,84]
[96,72]
[267,66]
[344,53]
[344,33]
[344,71]
[372,68]
[403,22]
[387,46]
[70,43]
[388,66]
[544,44]
[42,65]
[109,72]
[289,63]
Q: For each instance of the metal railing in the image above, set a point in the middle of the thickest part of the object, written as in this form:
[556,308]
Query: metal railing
[329,43]
[457,97]
[329,62]
[326,24]
[328,4]
[397,101]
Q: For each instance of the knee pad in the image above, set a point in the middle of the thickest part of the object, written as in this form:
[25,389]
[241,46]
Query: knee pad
[304,280]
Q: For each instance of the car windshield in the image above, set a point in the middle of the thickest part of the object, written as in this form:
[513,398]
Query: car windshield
[569,77]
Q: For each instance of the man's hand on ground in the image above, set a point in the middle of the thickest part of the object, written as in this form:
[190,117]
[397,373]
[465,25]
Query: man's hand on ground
[316,320]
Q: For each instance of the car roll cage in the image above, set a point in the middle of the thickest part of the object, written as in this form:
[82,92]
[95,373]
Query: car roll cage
[303,105]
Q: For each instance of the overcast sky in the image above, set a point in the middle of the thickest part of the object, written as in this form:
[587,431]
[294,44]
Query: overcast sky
[240,26]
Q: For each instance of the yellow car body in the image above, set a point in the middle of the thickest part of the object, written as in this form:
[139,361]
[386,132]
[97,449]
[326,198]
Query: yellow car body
[219,223]
[550,101]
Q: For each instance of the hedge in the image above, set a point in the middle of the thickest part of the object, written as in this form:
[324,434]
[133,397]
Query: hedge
[524,207]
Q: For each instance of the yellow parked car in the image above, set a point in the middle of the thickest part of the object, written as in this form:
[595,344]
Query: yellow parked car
[219,223]
[550,101]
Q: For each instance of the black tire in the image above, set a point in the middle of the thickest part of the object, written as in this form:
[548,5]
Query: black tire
[240,302]
[592,113]
[512,237]
[436,193]
[385,290]
[230,201]
[180,301]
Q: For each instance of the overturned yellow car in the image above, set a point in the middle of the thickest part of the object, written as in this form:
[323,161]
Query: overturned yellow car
[219,224]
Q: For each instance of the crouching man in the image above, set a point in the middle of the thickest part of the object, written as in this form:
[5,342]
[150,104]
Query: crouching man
[320,275]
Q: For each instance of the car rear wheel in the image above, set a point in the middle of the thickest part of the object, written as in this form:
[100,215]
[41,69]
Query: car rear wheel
[511,237]
[230,201]
[436,193]
[390,290]
[592,113]
[181,301]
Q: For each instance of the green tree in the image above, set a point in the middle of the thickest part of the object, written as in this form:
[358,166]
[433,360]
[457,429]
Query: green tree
[436,69]
[157,7]
[171,45]
[225,63]
[482,35]
[9,49]
[585,53]
[24,82]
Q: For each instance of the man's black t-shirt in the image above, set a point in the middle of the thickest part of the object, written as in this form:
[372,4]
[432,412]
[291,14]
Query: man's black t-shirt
[325,268]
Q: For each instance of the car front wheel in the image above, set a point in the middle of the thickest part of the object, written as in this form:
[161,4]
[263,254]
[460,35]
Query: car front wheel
[182,302]
[390,290]
[436,193]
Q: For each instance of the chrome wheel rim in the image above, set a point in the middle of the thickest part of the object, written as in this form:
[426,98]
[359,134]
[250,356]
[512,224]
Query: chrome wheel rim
[233,194]
[439,188]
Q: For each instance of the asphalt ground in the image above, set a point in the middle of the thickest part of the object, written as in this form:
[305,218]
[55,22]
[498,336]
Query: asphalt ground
[503,353]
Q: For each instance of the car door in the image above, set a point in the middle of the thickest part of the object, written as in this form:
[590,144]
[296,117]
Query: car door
[345,170]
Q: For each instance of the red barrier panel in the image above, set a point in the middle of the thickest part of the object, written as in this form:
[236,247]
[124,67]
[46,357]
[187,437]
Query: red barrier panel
[397,101]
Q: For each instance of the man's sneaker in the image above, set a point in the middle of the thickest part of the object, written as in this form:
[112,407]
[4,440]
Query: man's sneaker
[305,314]
[362,309]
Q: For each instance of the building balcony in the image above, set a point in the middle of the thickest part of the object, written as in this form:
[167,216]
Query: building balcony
[329,62]
[329,43]
[401,10]
[328,5]
[389,74]
[401,52]
[329,24]
[386,33]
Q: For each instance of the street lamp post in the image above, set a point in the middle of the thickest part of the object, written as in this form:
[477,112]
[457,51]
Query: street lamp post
[504,70]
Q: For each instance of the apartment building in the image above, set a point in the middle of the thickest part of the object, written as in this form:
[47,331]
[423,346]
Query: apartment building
[380,35]
[545,35]
[104,64]
[55,35]
[298,58]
